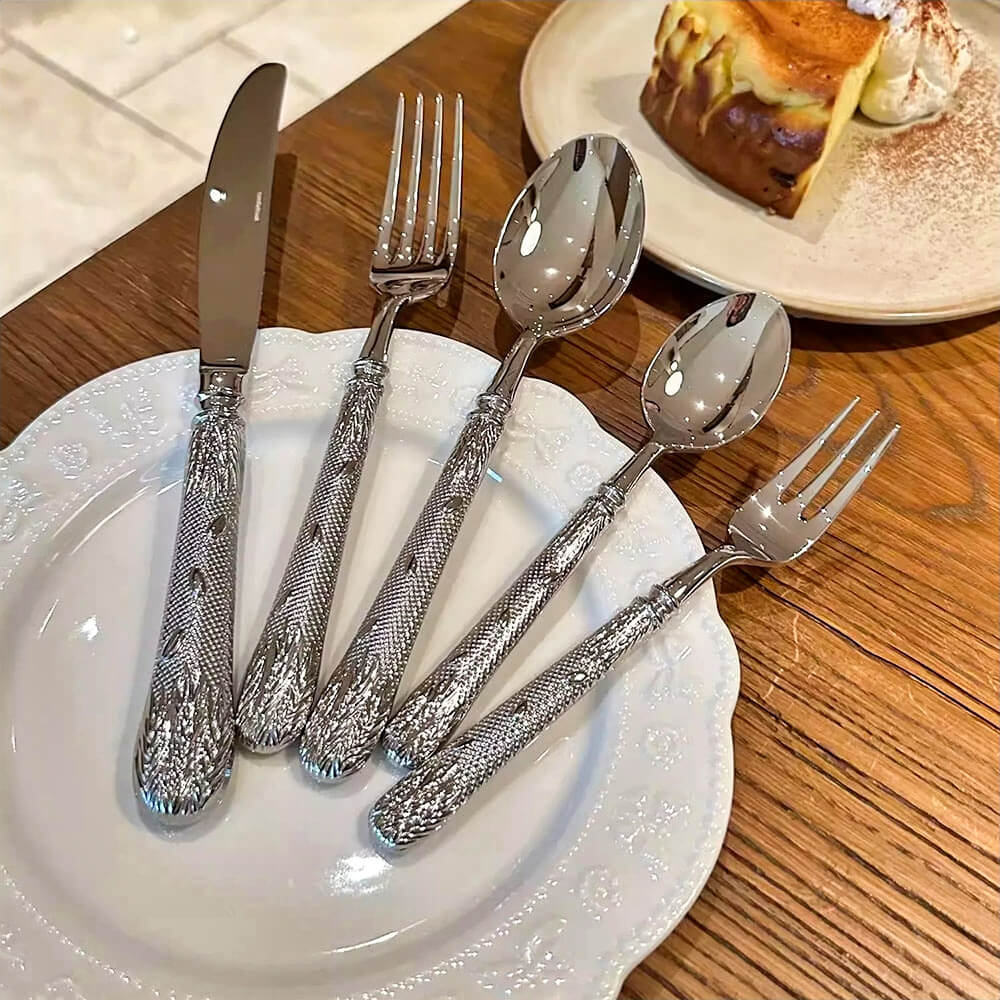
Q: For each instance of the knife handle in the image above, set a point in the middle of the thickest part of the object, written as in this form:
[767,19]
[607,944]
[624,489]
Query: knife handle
[440,702]
[430,794]
[352,709]
[280,681]
[184,750]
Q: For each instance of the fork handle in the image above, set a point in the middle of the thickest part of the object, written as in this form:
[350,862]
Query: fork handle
[352,709]
[434,791]
[280,681]
[184,749]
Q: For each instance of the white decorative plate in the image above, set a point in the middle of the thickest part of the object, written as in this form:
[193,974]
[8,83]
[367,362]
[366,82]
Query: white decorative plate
[900,226]
[554,883]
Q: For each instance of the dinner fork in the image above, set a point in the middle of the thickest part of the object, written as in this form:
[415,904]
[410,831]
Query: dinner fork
[766,529]
[280,682]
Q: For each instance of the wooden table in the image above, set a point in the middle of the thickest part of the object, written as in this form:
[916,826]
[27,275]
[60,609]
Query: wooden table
[861,860]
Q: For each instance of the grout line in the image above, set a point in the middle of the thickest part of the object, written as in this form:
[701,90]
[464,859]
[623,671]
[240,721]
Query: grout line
[108,102]
[299,81]
[216,36]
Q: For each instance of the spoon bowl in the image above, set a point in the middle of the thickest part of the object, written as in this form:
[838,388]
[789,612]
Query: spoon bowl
[572,239]
[715,376]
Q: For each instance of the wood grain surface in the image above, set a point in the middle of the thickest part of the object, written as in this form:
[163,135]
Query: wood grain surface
[861,860]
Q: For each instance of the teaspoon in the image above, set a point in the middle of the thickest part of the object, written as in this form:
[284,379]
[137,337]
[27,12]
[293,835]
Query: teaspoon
[710,383]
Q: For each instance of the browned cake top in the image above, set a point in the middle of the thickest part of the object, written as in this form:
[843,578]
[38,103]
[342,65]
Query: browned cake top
[803,45]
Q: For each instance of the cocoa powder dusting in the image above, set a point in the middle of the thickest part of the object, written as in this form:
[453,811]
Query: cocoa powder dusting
[953,157]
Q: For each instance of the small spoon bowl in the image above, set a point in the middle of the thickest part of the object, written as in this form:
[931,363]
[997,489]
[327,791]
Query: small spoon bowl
[716,375]
[572,239]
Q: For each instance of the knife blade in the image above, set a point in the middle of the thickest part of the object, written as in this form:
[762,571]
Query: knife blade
[235,211]
[184,749]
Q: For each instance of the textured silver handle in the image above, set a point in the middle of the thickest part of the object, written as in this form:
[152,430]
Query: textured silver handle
[422,801]
[350,712]
[184,751]
[280,681]
[439,703]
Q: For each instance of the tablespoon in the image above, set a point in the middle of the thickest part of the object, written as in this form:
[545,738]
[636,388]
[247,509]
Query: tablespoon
[768,529]
[566,253]
[710,383]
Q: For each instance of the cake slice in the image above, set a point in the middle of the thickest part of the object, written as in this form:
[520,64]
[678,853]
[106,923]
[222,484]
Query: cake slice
[756,92]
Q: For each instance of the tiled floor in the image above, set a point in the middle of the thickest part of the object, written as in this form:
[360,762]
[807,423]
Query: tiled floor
[108,108]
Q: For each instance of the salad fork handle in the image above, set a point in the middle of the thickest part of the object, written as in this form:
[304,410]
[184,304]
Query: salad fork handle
[430,794]
[352,709]
[280,682]
[434,791]
[436,707]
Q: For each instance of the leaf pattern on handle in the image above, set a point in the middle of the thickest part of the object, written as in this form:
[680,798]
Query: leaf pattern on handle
[352,709]
[280,682]
[184,750]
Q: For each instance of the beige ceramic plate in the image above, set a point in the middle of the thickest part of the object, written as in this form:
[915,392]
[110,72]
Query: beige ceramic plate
[900,227]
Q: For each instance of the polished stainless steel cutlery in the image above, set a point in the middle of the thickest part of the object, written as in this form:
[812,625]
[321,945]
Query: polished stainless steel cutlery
[771,527]
[280,682]
[184,750]
[566,254]
[710,383]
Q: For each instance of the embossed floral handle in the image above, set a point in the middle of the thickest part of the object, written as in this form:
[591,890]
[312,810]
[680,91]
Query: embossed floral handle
[434,791]
[438,704]
[280,682]
[350,712]
[436,707]
[184,750]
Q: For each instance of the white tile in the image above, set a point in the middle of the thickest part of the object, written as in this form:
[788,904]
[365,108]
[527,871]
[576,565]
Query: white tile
[333,43]
[115,44]
[189,99]
[74,175]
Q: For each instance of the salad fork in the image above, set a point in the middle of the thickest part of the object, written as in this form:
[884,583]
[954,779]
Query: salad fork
[280,682]
[766,530]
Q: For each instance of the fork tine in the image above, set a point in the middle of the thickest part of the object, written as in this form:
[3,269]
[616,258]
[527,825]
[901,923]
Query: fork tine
[810,492]
[787,475]
[405,254]
[843,496]
[430,222]
[450,250]
[391,187]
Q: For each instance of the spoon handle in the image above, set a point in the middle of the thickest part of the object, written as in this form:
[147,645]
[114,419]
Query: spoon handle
[433,792]
[434,710]
[439,703]
[352,709]
[280,681]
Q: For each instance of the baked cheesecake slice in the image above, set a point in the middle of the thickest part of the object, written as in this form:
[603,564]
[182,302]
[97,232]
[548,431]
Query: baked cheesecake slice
[755,93]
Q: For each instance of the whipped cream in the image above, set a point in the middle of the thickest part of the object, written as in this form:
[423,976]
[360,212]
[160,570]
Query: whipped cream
[922,61]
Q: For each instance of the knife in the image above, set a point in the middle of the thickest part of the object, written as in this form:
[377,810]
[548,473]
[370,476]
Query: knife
[184,750]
